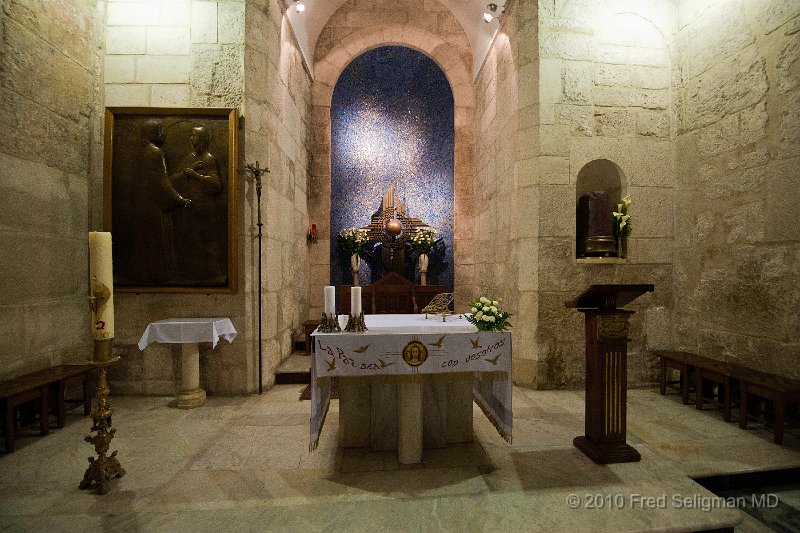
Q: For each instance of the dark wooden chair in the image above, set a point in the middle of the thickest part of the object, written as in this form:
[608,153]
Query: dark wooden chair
[392,294]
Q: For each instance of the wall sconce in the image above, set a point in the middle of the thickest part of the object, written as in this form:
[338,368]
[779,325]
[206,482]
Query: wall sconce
[490,15]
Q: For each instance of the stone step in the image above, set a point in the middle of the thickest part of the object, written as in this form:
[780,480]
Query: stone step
[296,369]
[299,343]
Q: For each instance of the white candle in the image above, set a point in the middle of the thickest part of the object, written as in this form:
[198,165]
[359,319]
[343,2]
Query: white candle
[355,301]
[101,285]
[330,300]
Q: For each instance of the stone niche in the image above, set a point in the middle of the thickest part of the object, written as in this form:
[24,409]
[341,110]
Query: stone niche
[597,193]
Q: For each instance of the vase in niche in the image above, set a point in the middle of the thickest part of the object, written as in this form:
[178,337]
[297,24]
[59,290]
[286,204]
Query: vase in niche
[423,269]
[621,248]
[355,267]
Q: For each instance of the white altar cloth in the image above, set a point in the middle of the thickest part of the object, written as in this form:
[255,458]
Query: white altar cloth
[407,346]
[188,330]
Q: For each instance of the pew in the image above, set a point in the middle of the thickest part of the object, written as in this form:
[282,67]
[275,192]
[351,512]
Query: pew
[40,387]
[781,391]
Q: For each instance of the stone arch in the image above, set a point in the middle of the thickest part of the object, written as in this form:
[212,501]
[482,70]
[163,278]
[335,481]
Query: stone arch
[451,51]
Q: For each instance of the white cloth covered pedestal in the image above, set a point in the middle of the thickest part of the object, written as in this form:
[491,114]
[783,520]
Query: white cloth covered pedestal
[186,330]
[189,332]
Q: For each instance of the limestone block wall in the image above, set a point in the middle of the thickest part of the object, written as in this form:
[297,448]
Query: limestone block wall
[506,206]
[431,28]
[737,122]
[174,53]
[193,54]
[598,88]
[182,53]
[46,94]
[276,128]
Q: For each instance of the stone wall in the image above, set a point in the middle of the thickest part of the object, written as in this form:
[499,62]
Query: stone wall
[193,54]
[505,206]
[431,28]
[277,126]
[597,88]
[47,90]
[737,122]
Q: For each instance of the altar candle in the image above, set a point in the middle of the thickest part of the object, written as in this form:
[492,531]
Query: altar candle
[355,301]
[330,300]
[101,285]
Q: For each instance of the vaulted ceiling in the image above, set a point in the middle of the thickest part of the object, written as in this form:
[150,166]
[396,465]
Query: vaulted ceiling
[308,25]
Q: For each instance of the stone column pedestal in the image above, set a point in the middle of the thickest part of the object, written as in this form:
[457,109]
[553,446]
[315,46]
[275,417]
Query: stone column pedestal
[190,395]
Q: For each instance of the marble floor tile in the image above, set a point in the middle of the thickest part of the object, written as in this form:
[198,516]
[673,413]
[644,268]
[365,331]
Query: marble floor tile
[243,463]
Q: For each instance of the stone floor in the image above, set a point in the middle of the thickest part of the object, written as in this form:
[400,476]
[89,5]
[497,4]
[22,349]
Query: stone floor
[242,464]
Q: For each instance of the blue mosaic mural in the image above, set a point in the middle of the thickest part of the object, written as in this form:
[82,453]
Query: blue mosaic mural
[392,121]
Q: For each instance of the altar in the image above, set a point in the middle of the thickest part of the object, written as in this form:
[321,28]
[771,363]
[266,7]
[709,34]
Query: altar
[410,380]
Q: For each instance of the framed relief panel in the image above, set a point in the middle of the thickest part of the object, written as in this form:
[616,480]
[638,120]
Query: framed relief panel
[170,198]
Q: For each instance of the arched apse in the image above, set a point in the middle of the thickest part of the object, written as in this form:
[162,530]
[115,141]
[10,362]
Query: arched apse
[392,121]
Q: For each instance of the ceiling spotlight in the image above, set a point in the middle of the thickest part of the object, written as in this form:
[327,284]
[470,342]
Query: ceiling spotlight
[299,6]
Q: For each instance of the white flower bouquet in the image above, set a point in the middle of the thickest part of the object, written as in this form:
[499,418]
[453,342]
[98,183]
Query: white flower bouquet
[423,240]
[353,239]
[622,220]
[487,315]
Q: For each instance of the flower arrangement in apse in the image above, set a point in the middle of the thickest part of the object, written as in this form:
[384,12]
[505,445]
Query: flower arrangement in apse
[487,315]
[622,220]
[353,240]
[423,240]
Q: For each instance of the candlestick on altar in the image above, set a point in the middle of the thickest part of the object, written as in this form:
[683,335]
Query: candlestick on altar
[355,300]
[101,302]
[330,322]
[356,321]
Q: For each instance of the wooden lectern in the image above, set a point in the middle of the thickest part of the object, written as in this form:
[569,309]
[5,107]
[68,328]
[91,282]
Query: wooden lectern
[606,371]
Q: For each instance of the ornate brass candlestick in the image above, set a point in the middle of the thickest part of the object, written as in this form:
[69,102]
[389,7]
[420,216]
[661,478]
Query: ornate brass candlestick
[356,324]
[330,324]
[102,469]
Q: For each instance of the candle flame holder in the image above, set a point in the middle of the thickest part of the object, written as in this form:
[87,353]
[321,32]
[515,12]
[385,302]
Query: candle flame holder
[356,324]
[330,324]
[104,468]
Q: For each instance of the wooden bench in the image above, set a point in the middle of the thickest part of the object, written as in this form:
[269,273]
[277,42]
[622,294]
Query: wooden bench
[779,390]
[683,362]
[703,369]
[723,374]
[39,386]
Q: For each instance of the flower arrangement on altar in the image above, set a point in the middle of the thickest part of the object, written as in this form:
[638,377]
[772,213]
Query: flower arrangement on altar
[622,220]
[487,315]
[423,240]
[353,239]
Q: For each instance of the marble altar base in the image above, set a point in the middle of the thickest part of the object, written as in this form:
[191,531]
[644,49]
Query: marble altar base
[369,415]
